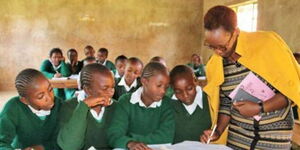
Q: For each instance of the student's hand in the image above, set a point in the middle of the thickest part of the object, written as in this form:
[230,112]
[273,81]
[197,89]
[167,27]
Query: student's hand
[36,147]
[137,146]
[57,75]
[206,135]
[93,101]
[247,108]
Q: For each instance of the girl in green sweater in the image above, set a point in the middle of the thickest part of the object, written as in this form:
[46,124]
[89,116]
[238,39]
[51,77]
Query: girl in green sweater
[55,67]
[144,116]
[84,119]
[29,121]
[191,108]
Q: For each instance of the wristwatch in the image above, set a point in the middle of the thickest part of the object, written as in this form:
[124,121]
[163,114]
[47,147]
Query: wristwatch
[261,105]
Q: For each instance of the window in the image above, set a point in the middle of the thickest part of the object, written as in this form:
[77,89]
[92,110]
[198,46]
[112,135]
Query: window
[247,15]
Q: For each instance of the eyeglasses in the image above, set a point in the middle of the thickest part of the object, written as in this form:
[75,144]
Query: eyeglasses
[220,47]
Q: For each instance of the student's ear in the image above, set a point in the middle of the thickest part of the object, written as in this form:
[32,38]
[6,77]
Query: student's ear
[144,81]
[87,90]
[24,100]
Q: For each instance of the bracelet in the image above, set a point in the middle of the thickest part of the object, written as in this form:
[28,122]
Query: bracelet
[261,105]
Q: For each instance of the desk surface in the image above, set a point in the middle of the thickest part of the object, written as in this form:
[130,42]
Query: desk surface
[63,83]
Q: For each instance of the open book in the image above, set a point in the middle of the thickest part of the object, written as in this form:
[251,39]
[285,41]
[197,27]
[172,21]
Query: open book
[253,89]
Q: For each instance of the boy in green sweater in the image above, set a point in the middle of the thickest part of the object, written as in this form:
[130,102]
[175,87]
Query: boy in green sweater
[191,110]
[197,66]
[55,67]
[84,120]
[102,59]
[130,82]
[29,121]
[145,116]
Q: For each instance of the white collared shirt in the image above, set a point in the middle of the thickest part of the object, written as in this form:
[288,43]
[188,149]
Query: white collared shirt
[123,83]
[198,101]
[104,63]
[40,113]
[136,97]
[81,96]
[117,75]
[55,67]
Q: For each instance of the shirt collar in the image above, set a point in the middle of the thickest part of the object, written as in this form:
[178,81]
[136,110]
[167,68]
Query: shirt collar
[55,67]
[39,113]
[117,75]
[123,83]
[197,102]
[81,96]
[136,98]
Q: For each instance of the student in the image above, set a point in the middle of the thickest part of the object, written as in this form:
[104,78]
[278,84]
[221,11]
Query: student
[89,52]
[74,65]
[159,59]
[29,121]
[55,67]
[191,110]
[130,82]
[120,62]
[197,66]
[89,60]
[84,120]
[170,91]
[145,116]
[102,59]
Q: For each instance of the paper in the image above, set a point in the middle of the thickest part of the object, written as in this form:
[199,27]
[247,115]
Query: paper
[254,86]
[61,78]
[74,76]
[192,145]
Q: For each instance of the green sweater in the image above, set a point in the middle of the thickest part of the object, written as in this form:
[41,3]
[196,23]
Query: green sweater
[48,70]
[79,129]
[110,65]
[190,127]
[199,71]
[132,122]
[120,90]
[21,128]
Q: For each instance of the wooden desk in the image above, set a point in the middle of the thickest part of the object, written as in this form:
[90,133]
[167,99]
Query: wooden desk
[64,83]
[296,132]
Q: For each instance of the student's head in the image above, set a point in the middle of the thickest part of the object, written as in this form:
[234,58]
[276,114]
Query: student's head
[297,56]
[133,70]
[56,56]
[97,80]
[155,81]
[72,55]
[120,63]
[183,81]
[221,31]
[159,60]
[89,60]
[196,59]
[34,89]
[102,55]
[89,51]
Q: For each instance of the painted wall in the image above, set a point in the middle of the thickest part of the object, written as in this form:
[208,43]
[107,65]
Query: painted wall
[30,28]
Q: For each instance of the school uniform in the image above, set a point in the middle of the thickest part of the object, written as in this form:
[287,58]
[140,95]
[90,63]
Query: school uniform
[191,120]
[21,126]
[70,92]
[116,74]
[133,121]
[199,71]
[122,88]
[82,128]
[78,66]
[110,65]
[49,70]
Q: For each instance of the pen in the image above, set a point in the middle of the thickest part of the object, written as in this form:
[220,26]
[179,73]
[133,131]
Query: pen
[212,133]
